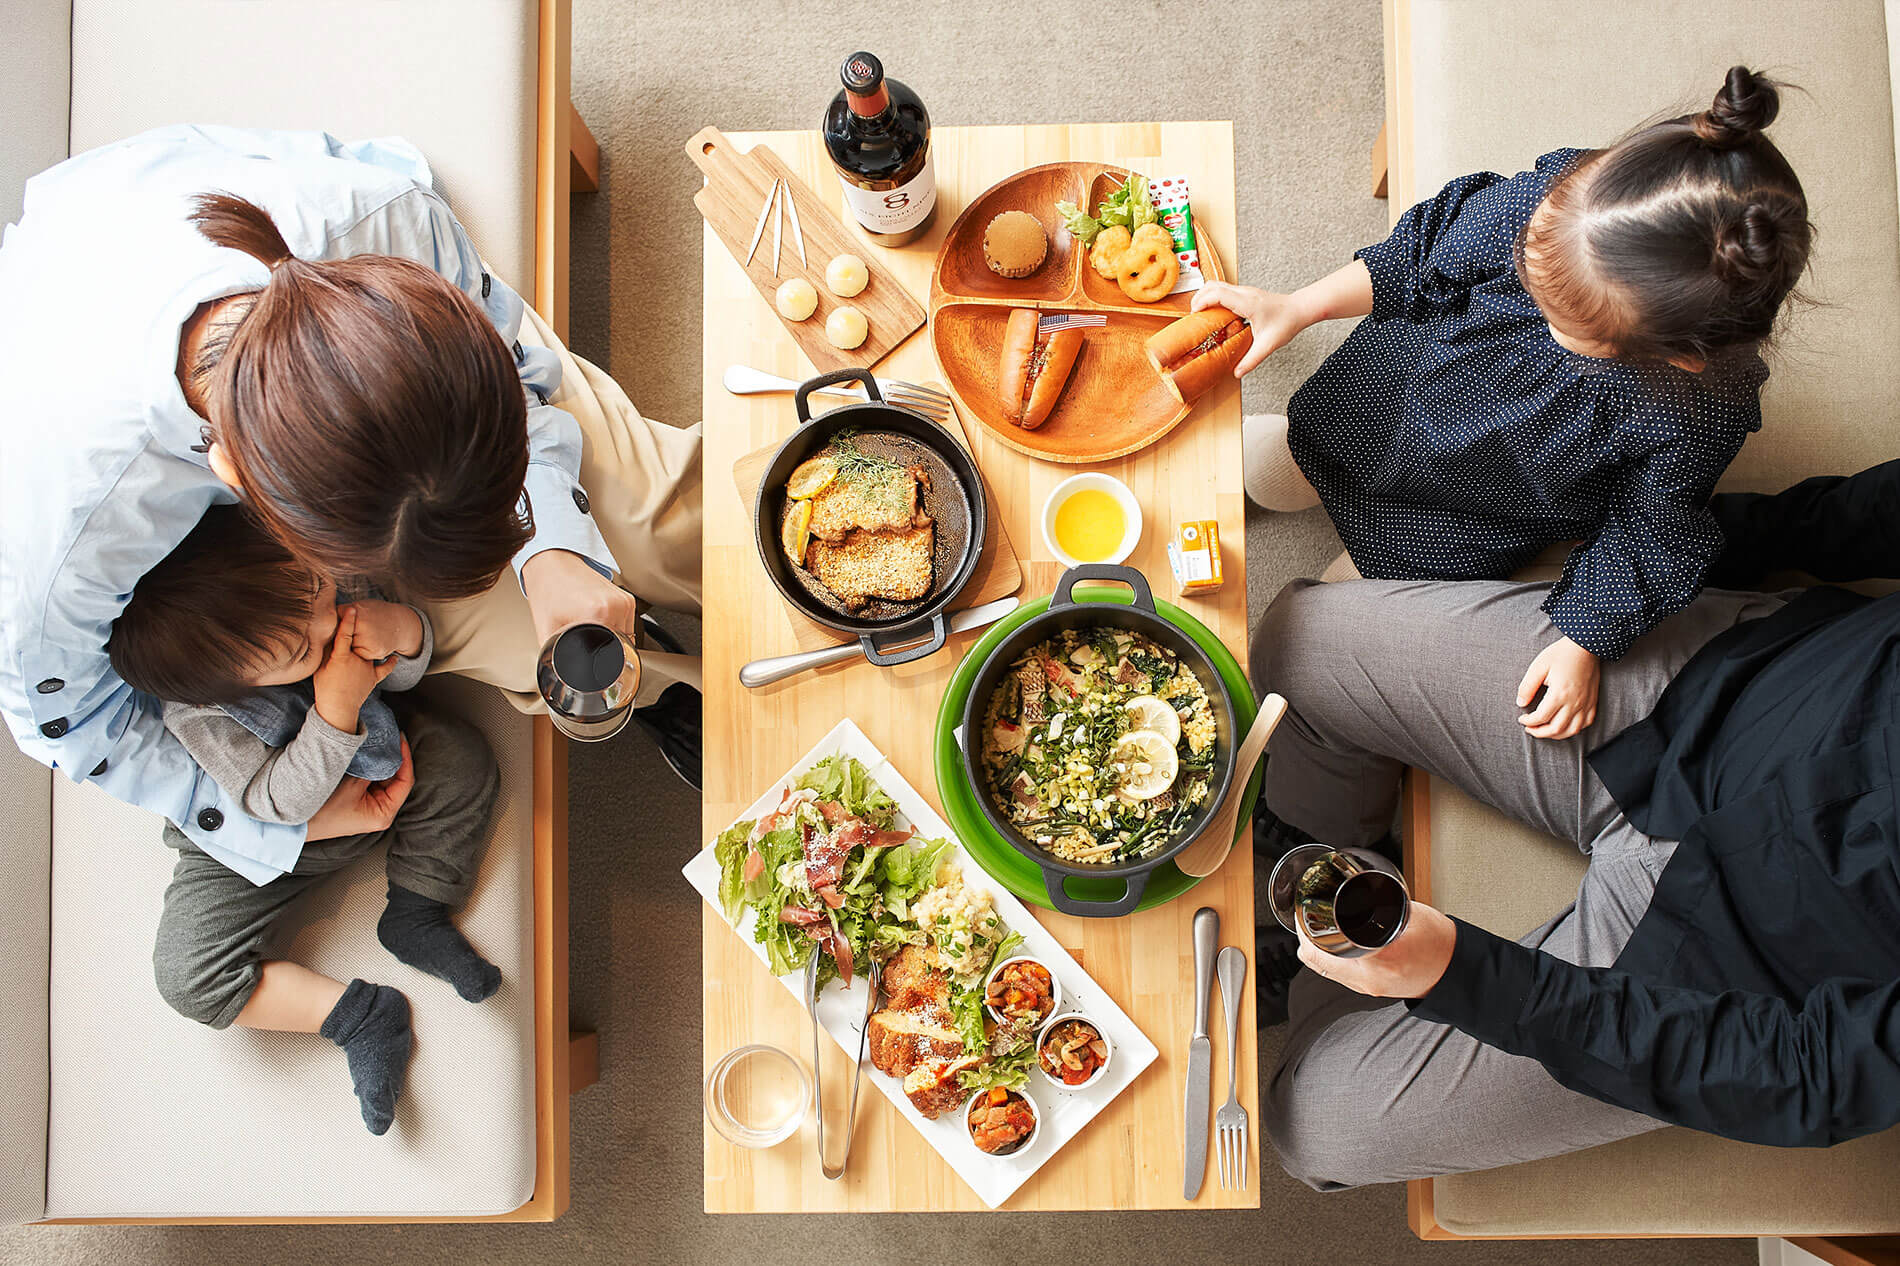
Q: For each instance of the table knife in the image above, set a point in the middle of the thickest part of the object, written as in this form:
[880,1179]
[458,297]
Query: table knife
[1200,1053]
[763,672]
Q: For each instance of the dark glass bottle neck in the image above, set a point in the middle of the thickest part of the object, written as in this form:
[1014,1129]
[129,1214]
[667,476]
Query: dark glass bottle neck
[872,107]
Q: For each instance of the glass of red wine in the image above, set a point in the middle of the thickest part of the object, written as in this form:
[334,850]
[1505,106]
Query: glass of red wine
[1348,902]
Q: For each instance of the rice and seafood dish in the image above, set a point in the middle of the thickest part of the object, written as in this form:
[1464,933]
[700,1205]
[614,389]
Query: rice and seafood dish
[1099,745]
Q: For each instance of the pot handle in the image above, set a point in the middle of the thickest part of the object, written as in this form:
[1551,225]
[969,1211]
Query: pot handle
[1144,596]
[802,397]
[1124,904]
[939,633]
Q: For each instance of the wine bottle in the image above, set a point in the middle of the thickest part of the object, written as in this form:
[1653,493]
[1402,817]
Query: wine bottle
[878,135]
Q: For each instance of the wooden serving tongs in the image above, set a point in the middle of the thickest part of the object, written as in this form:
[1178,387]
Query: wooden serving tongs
[1205,855]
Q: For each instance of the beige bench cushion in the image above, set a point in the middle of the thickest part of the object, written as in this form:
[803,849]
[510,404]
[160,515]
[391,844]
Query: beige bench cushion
[155,1116]
[1495,84]
[455,77]
[1508,878]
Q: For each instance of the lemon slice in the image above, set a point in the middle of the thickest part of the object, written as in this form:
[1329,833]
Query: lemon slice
[812,477]
[1150,713]
[1149,764]
[796,533]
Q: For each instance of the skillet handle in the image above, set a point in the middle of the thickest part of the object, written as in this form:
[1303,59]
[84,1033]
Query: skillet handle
[1124,904]
[1144,596]
[939,634]
[802,397]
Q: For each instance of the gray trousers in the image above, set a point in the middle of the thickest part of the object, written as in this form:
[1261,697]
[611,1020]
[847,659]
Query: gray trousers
[1382,675]
[216,924]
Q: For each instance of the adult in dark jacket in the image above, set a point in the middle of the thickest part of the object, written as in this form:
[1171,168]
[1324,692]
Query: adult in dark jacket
[1732,959]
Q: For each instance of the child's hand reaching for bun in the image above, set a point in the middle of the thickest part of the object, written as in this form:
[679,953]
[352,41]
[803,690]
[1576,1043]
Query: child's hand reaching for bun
[1276,318]
[1569,676]
[1271,316]
[346,675]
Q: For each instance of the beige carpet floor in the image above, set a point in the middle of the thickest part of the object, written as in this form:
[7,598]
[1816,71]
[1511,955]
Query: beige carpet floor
[1302,83]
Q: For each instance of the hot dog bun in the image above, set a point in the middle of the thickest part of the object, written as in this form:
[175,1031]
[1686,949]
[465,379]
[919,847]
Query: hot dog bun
[1029,404]
[1019,347]
[1059,358]
[1190,368]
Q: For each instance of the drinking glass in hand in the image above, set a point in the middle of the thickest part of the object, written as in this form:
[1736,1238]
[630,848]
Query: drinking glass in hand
[1348,902]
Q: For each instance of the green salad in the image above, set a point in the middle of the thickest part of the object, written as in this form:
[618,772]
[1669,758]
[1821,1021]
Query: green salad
[827,871]
[1129,206]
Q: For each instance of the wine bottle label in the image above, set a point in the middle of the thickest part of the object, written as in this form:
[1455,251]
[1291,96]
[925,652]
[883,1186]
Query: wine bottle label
[894,210]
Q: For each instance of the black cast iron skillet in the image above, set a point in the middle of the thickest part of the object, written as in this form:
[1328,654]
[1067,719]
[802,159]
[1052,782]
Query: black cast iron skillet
[1066,613]
[954,499]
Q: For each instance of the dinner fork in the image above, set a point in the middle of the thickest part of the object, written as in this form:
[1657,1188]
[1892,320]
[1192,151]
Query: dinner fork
[743,380]
[1230,1122]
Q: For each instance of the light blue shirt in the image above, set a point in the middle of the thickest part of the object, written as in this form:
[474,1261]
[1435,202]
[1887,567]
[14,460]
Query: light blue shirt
[98,480]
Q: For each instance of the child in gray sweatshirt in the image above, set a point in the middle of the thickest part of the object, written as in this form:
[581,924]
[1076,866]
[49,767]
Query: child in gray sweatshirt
[278,693]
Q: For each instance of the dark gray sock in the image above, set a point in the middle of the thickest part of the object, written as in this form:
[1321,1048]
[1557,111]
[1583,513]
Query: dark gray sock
[371,1024]
[419,932]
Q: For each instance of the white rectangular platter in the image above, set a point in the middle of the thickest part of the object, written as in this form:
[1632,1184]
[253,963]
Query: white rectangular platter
[841,1011]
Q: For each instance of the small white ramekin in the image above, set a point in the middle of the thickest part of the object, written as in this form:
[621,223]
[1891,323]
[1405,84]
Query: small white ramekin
[1055,987]
[1131,515]
[1025,1147]
[1042,1035]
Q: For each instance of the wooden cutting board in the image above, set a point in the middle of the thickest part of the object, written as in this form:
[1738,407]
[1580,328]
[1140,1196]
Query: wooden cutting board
[998,573]
[735,191]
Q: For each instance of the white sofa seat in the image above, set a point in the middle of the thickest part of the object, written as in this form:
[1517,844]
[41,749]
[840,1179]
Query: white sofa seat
[153,1115]
[455,77]
[117,1107]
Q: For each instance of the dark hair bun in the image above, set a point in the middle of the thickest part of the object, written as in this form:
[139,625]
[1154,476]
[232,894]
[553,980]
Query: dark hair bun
[1747,103]
[1764,249]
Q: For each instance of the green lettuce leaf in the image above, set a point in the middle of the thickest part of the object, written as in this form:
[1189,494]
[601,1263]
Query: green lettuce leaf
[1080,224]
[1008,1068]
[845,780]
[730,849]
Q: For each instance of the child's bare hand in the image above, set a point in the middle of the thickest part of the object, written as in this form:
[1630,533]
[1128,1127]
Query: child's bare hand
[346,676]
[386,628]
[1272,316]
[1569,676]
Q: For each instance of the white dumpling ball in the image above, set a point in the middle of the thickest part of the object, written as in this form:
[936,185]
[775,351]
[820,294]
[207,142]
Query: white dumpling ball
[797,299]
[846,328]
[846,276]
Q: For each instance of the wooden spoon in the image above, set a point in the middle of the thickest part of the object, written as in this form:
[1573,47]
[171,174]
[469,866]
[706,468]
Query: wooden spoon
[1205,855]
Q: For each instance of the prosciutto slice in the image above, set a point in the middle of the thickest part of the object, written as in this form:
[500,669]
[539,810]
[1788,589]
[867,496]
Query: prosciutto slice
[786,806]
[825,853]
[857,833]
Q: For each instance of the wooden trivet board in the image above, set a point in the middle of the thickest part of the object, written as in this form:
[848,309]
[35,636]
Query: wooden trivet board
[736,188]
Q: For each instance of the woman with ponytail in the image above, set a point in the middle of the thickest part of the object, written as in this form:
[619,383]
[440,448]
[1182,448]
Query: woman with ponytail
[1567,355]
[203,315]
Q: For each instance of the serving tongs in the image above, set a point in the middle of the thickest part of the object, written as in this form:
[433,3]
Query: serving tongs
[872,983]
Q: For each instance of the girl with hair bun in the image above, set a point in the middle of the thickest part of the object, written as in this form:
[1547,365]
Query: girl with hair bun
[1570,354]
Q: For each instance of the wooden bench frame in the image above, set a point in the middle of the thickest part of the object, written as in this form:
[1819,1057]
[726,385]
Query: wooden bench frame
[567,160]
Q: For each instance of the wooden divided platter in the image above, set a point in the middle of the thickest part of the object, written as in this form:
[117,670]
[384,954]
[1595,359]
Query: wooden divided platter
[736,188]
[1115,403]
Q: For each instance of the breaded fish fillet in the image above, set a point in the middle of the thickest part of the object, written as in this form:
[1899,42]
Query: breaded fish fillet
[894,565]
[878,500]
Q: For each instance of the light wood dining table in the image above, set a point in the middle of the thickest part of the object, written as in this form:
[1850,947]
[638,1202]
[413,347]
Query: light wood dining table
[1129,1157]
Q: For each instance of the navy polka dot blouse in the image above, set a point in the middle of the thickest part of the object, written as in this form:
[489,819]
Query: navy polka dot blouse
[1451,438]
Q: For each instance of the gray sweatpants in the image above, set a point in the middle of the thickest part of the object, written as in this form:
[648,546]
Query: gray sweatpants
[1387,674]
[216,924]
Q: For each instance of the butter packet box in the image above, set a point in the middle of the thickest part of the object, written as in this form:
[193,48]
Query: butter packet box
[1194,557]
[1170,198]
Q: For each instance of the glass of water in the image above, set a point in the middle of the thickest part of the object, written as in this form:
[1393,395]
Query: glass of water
[756,1096]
